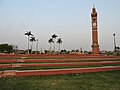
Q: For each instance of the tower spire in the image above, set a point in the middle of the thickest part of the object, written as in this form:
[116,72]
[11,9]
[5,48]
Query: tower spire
[94,9]
[93,5]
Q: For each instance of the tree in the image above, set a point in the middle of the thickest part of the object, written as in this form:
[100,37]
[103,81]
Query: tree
[5,48]
[64,51]
[59,42]
[77,50]
[15,48]
[54,36]
[28,33]
[32,39]
[50,41]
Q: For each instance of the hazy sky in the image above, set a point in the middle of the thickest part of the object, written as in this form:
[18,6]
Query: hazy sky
[69,19]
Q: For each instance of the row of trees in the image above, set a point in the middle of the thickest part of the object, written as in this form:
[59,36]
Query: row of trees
[6,48]
[52,40]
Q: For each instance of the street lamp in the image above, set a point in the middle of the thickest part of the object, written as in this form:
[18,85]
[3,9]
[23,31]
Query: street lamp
[114,42]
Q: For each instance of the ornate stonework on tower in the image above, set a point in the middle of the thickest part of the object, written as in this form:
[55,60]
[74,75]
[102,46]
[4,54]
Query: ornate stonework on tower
[95,46]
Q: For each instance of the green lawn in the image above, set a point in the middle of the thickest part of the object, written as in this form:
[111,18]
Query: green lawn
[90,81]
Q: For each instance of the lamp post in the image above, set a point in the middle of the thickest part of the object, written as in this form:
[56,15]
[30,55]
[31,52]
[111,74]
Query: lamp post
[114,42]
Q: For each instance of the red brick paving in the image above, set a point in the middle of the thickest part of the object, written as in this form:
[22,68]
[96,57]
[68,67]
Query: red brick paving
[58,64]
[56,71]
[56,56]
[56,60]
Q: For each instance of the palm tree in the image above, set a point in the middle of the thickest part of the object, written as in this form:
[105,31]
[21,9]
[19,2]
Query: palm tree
[54,36]
[114,42]
[59,42]
[32,39]
[28,33]
[50,41]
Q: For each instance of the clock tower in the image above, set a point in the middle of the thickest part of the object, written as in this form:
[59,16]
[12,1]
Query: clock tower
[95,46]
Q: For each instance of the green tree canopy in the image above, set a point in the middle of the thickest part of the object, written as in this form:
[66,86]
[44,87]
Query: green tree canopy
[5,48]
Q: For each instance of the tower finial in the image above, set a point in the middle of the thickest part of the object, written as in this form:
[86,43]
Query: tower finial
[93,5]
[93,9]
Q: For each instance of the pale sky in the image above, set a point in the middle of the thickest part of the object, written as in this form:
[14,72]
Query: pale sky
[69,19]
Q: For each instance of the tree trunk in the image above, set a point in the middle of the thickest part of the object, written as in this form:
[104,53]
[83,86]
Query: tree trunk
[31,47]
[59,48]
[28,44]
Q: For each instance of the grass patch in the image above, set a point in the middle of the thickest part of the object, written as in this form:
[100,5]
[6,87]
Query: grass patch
[69,61]
[90,81]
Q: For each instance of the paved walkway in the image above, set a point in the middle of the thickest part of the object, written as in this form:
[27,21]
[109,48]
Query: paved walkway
[58,64]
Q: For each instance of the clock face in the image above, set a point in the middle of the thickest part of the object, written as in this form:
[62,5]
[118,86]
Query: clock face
[94,24]
[95,44]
